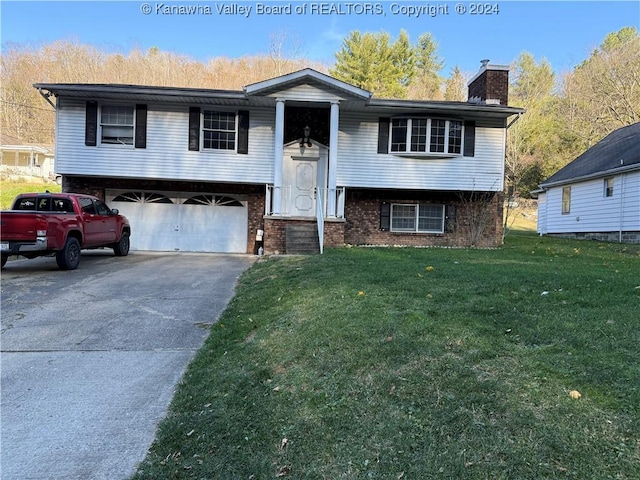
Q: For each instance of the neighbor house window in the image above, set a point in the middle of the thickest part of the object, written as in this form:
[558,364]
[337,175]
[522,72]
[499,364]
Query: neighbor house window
[219,130]
[566,199]
[116,125]
[608,187]
[426,135]
[424,218]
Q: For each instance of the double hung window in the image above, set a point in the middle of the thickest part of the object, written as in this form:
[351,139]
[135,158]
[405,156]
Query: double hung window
[421,218]
[117,125]
[566,200]
[219,130]
[608,187]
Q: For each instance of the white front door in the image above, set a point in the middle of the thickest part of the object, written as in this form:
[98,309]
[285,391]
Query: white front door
[302,186]
[300,178]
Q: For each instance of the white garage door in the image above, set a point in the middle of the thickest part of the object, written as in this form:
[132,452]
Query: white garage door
[186,222]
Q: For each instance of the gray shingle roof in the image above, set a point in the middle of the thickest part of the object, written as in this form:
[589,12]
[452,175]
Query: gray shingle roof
[618,151]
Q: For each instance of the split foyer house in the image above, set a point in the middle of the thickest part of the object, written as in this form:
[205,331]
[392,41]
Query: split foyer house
[292,163]
[597,195]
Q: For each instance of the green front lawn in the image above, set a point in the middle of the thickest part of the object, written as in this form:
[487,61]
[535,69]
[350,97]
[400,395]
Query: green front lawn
[417,364]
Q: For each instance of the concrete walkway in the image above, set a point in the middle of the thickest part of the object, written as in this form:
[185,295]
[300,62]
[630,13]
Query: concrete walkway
[90,358]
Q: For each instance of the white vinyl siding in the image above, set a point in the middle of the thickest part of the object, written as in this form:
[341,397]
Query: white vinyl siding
[310,93]
[590,212]
[359,164]
[166,155]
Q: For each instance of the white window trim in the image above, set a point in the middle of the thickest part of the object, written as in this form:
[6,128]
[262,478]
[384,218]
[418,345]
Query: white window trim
[562,209]
[409,153]
[416,218]
[606,187]
[235,132]
[132,126]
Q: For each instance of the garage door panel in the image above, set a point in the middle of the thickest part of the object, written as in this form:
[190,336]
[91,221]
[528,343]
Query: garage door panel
[202,223]
[214,228]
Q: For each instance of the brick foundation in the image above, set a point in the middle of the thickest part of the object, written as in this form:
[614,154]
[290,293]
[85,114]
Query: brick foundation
[613,237]
[362,212]
[361,225]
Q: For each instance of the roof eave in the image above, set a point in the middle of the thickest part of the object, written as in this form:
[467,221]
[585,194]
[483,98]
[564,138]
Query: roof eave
[591,176]
[106,90]
[502,110]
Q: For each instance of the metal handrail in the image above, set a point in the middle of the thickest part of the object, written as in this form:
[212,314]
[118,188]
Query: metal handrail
[320,217]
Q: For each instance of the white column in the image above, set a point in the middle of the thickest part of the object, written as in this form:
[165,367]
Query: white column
[277,157]
[333,158]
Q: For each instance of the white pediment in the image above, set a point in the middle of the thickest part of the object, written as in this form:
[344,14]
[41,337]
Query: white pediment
[302,151]
[307,85]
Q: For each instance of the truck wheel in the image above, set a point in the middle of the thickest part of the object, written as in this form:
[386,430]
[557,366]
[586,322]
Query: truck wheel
[69,257]
[4,260]
[121,248]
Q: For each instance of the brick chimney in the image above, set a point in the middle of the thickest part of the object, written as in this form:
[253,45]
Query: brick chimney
[490,85]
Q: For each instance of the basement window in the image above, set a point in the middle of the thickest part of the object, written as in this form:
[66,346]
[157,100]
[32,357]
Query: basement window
[422,218]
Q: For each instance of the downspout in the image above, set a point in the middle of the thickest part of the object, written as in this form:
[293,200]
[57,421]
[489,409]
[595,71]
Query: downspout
[46,96]
[514,120]
[621,206]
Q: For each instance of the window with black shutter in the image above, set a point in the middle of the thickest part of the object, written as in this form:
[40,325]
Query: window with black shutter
[91,124]
[141,126]
[194,129]
[385,216]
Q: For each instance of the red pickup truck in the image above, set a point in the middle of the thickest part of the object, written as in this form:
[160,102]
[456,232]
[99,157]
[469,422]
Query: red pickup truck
[61,224]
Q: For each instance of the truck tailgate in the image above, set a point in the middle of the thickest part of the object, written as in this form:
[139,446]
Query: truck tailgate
[18,226]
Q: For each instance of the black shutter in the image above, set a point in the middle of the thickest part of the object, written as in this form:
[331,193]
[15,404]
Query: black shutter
[243,131]
[91,124]
[141,126]
[385,216]
[450,218]
[194,129]
[469,139]
[383,134]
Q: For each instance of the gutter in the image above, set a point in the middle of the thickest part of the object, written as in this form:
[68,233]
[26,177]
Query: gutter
[613,171]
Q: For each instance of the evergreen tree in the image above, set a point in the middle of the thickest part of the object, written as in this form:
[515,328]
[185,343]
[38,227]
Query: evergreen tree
[388,69]
[428,64]
[455,89]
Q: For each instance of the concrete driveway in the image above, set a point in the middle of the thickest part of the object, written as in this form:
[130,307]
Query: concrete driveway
[90,358]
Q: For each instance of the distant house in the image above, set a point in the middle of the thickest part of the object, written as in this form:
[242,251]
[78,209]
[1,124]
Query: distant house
[597,195]
[22,158]
[225,171]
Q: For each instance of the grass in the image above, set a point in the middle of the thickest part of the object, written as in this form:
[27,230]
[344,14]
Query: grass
[415,364]
[10,188]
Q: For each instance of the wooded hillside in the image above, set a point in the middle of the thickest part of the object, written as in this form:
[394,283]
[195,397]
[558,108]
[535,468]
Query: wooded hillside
[566,112]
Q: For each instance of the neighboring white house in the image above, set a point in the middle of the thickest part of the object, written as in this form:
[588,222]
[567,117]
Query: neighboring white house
[29,159]
[597,195]
[226,171]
